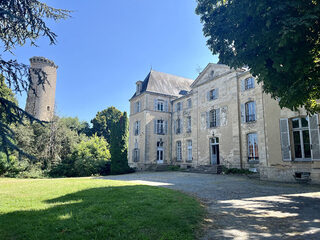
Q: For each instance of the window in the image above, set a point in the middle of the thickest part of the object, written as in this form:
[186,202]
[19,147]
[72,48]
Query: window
[213,94]
[189,150]
[136,128]
[179,151]
[48,108]
[178,126]
[160,127]
[189,124]
[250,111]
[301,139]
[249,83]
[213,118]
[136,152]
[160,105]
[189,101]
[137,107]
[253,153]
[178,106]
[160,156]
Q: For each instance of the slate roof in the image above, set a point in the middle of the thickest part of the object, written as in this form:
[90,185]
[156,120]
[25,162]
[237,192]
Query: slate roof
[165,83]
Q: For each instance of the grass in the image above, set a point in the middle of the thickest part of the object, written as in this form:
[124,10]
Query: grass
[84,208]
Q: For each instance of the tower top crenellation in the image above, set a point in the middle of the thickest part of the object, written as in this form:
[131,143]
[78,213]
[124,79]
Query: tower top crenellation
[43,60]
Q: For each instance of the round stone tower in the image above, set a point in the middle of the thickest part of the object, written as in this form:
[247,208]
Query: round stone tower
[41,97]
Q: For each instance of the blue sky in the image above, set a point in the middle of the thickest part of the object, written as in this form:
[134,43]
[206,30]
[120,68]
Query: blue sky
[108,45]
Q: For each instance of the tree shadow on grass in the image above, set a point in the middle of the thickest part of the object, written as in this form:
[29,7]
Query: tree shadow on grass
[126,212]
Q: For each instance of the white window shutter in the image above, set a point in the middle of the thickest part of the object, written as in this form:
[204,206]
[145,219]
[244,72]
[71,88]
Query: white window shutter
[181,125]
[139,127]
[165,127]
[285,139]
[314,136]
[253,82]
[166,106]
[255,110]
[243,113]
[155,104]
[208,96]
[155,126]
[208,119]
[216,93]
[175,126]
[218,117]
[243,82]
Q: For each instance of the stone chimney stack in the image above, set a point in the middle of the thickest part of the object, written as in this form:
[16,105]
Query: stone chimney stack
[41,98]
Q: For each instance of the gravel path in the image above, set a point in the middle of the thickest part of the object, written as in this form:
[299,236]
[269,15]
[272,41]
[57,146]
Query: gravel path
[243,208]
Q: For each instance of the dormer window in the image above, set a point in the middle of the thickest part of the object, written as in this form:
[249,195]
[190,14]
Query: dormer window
[138,87]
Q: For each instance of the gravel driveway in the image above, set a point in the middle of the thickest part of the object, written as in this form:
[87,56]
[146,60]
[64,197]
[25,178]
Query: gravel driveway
[243,208]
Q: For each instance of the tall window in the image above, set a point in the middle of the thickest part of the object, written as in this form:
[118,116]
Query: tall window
[189,149]
[250,111]
[301,139]
[160,156]
[136,128]
[189,124]
[179,151]
[178,126]
[179,106]
[253,153]
[160,105]
[189,103]
[160,127]
[136,152]
[249,83]
[137,107]
[213,118]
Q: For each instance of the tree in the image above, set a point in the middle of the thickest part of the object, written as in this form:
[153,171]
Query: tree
[7,94]
[119,145]
[104,121]
[22,21]
[278,40]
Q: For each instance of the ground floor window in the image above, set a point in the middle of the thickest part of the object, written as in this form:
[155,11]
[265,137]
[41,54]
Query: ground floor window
[301,138]
[189,145]
[253,152]
[179,151]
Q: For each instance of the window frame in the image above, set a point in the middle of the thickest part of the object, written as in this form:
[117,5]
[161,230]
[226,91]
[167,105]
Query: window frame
[189,151]
[212,94]
[136,128]
[160,105]
[160,126]
[179,151]
[249,83]
[213,118]
[300,129]
[255,147]
[250,106]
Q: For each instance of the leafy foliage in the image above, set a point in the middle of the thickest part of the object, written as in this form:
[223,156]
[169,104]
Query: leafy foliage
[104,121]
[22,21]
[278,40]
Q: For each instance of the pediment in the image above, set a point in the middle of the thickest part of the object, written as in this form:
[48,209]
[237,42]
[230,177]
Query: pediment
[211,72]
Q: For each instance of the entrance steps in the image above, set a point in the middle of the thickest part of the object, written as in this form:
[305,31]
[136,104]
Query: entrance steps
[210,169]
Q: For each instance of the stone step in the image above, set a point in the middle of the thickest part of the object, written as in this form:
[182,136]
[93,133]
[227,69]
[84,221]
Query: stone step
[210,169]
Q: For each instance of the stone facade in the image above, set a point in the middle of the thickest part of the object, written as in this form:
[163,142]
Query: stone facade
[222,118]
[41,97]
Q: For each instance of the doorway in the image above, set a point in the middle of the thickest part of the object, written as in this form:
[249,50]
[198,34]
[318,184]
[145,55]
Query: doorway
[160,152]
[214,151]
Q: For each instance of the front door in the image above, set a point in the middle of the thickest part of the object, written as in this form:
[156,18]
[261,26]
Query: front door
[160,152]
[214,151]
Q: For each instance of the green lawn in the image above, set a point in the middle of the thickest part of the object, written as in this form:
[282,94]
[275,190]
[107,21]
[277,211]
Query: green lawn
[87,208]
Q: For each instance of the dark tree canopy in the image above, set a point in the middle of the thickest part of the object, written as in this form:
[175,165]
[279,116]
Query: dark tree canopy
[278,40]
[21,22]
